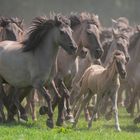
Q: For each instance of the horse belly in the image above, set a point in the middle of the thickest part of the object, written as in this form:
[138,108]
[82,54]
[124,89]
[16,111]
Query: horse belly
[14,78]
[14,70]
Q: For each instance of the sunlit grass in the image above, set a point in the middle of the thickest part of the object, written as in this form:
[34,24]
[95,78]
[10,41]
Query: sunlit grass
[101,130]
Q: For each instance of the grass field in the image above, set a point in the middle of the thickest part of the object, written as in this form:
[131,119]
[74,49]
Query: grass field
[101,130]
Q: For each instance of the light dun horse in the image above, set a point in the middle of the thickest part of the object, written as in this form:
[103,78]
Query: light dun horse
[99,80]
[36,56]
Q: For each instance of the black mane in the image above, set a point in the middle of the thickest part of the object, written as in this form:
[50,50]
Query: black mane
[39,29]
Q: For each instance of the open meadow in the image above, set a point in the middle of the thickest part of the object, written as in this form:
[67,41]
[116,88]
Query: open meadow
[101,130]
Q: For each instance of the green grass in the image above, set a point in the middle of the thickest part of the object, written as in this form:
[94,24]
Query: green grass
[101,130]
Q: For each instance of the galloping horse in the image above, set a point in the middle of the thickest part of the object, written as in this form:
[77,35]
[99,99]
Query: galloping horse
[36,56]
[10,29]
[86,30]
[99,80]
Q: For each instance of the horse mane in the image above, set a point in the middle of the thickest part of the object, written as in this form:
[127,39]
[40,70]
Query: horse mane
[123,20]
[39,28]
[84,17]
[91,18]
[75,20]
[4,21]
[122,35]
[18,22]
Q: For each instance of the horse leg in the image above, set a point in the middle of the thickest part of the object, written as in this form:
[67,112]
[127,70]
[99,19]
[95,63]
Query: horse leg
[31,105]
[95,109]
[2,98]
[2,115]
[66,94]
[60,118]
[57,96]
[114,98]
[77,100]
[43,110]
[131,107]
[15,101]
[17,98]
[85,101]
[138,106]
[45,93]
[86,113]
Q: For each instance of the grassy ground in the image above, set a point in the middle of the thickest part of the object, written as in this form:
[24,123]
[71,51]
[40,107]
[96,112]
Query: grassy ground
[101,130]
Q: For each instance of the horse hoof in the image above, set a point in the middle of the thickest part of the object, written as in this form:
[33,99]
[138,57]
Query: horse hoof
[1,120]
[108,117]
[50,123]
[118,129]
[43,110]
[89,125]
[70,118]
[11,120]
[24,117]
[128,109]
[34,119]
[59,122]
[74,125]
[137,120]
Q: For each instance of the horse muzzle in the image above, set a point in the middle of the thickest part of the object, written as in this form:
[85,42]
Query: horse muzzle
[123,74]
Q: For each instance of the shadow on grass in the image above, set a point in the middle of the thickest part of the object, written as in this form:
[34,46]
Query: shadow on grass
[129,128]
[24,124]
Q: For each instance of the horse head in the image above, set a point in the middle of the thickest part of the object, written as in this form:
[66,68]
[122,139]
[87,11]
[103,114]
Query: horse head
[120,61]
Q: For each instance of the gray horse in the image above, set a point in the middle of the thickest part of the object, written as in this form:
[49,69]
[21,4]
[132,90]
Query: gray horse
[36,56]
[10,29]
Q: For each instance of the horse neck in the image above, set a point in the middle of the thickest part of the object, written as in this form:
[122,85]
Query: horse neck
[109,53]
[47,50]
[111,73]
[77,34]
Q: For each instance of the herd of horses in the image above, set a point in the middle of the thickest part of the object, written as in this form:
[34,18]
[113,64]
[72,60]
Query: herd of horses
[69,61]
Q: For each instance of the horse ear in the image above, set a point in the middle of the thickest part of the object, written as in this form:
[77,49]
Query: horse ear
[114,21]
[97,16]
[57,21]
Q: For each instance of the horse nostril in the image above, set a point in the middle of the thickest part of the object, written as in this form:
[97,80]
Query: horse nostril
[99,51]
[124,73]
[127,59]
